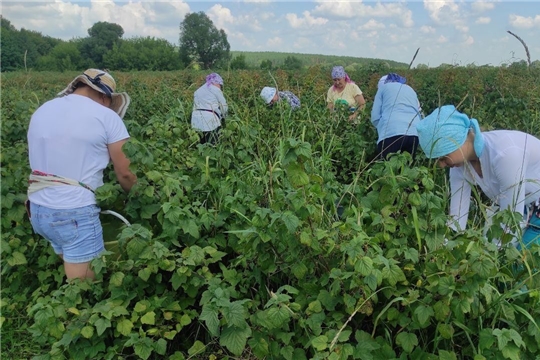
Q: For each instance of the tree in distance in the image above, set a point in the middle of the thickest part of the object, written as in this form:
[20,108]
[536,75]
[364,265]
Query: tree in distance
[292,63]
[266,65]
[202,42]
[238,63]
[103,36]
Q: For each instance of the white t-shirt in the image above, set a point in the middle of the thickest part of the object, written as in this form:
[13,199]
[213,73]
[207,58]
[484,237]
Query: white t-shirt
[208,97]
[510,165]
[68,136]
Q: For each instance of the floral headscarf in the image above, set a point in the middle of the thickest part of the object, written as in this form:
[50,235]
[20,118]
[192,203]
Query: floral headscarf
[214,78]
[338,72]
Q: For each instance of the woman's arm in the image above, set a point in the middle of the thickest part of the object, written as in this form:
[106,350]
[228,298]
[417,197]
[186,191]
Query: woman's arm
[510,169]
[376,109]
[460,198]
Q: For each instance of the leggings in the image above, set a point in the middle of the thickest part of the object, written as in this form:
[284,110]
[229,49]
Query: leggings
[394,144]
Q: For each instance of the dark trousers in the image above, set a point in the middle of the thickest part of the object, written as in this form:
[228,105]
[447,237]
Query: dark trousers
[210,137]
[394,144]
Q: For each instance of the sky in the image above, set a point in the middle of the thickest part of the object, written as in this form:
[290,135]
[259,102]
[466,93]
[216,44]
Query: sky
[453,32]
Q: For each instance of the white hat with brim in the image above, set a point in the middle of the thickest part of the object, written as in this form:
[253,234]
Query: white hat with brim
[267,93]
[104,83]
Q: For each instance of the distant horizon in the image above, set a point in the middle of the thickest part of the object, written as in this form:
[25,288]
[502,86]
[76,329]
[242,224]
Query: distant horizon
[447,32]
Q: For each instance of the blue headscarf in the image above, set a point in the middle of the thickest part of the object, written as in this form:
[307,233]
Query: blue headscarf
[393,77]
[445,130]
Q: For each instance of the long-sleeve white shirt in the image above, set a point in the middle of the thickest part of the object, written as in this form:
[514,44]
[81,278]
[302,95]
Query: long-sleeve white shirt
[209,106]
[510,166]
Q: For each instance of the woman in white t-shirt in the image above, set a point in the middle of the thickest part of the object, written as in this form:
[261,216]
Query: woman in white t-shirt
[345,93]
[505,164]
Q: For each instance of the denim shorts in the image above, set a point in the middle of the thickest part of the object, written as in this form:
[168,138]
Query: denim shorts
[76,234]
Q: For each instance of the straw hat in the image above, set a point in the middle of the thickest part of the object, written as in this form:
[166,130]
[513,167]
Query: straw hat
[104,83]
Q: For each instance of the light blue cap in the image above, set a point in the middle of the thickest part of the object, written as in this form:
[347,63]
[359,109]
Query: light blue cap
[445,130]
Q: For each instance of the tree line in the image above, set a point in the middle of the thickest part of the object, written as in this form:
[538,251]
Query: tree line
[201,46]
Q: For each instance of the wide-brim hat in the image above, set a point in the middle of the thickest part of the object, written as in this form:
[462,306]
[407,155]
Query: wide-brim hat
[104,83]
[268,93]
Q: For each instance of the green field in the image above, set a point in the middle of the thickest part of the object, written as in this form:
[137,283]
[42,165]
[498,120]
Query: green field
[238,252]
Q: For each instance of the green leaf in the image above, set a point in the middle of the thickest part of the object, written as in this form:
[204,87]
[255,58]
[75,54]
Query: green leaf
[101,325]
[190,227]
[153,175]
[234,339]
[290,220]
[299,270]
[411,254]
[143,348]
[296,175]
[124,327]
[148,210]
[197,348]
[185,320]
[234,314]
[149,318]
[117,278]
[320,343]
[314,307]
[135,247]
[305,238]
[209,315]
[259,346]
[16,258]
[275,317]
[140,307]
[194,255]
[511,352]
[287,352]
[393,274]
[441,310]
[423,314]
[87,331]
[407,341]
[371,281]
[447,355]
[446,330]
[160,346]
[364,266]
[344,335]
[486,339]
[505,336]
[145,273]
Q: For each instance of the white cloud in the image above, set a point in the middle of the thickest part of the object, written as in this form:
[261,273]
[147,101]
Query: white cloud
[67,20]
[442,39]
[483,20]
[427,29]
[275,41]
[307,21]
[436,8]
[469,41]
[372,25]
[220,16]
[461,27]
[523,22]
[481,6]
[350,10]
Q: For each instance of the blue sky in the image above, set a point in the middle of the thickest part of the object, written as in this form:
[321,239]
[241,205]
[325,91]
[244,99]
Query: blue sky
[453,32]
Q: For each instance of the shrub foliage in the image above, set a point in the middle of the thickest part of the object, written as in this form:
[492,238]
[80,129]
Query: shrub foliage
[285,241]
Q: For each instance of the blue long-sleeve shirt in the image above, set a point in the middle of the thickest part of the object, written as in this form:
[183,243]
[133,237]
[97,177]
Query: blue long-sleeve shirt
[396,110]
